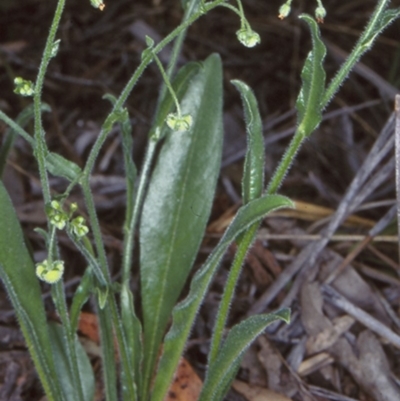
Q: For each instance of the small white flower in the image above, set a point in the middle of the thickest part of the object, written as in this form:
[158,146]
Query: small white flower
[179,122]
[50,274]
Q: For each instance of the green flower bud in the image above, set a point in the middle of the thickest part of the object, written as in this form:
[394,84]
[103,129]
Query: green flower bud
[179,122]
[248,37]
[23,87]
[57,216]
[78,226]
[73,207]
[58,221]
[56,205]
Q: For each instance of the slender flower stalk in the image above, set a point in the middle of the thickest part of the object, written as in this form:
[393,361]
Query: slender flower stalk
[40,143]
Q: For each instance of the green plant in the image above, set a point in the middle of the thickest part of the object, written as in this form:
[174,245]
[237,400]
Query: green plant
[187,130]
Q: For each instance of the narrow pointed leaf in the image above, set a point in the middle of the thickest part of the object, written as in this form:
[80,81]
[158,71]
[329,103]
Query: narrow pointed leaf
[22,120]
[252,188]
[81,296]
[388,17]
[185,312]
[59,166]
[243,242]
[253,174]
[133,334]
[309,102]
[385,19]
[108,352]
[17,272]
[178,205]
[222,372]
[380,19]
[61,365]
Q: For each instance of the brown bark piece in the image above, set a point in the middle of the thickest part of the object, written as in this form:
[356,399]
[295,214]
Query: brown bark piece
[267,258]
[256,393]
[88,325]
[327,337]
[186,385]
[254,365]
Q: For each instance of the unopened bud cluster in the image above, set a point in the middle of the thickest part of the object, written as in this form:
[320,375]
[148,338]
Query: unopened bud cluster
[49,270]
[79,227]
[24,87]
[59,218]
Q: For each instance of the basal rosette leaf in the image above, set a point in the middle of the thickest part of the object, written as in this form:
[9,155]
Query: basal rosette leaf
[221,373]
[178,205]
[185,312]
[17,272]
[61,365]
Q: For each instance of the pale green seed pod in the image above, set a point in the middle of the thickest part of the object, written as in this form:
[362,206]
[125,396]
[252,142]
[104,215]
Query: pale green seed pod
[98,4]
[320,14]
[248,37]
[284,11]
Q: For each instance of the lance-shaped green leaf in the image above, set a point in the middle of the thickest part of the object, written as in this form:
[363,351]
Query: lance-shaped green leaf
[253,174]
[108,351]
[81,296]
[386,19]
[221,373]
[133,335]
[309,102]
[380,19]
[178,205]
[59,166]
[22,120]
[61,364]
[185,312]
[17,272]
[252,188]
